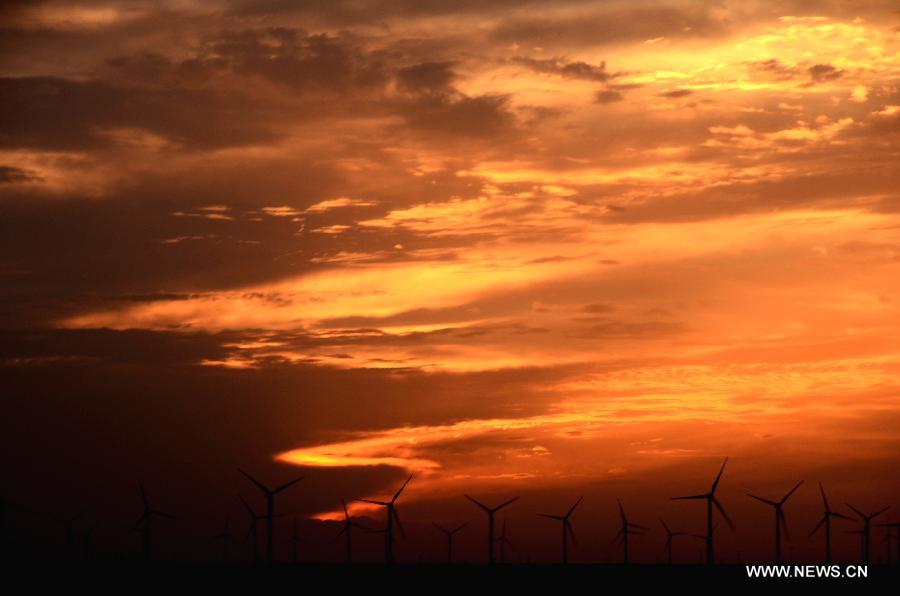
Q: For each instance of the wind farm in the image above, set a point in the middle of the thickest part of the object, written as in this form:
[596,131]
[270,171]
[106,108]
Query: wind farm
[418,291]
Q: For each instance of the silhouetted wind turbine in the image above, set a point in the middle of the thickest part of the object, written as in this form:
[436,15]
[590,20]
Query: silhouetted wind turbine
[392,518]
[295,542]
[566,529]
[826,521]
[270,508]
[504,542]
[68,524]
[626,530]
[145,524]
[226,539]
[88,542]
[669,536]
[252,530]
[892,527]
[866,529]
[5,507]
[449,534]
[780,520]
[490,512]
[346,531]
[862,548]
[711,501]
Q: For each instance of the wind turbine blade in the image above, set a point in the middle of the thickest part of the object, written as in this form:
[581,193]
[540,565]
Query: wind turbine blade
[158,513]
[400,490]
[783,521]
[247,507]
[344,505]
[457,528]
[572,508]
[722,511]
[856,511]
[818,525]
[638,526]
[879,512]
[668,531]
[548,516]
[572,532]
[718,477]
[144,496]
[258,484]
[441,528]
[621,511]
[824,498]
[839,515]
[342,532]
[141,520]
[399,523]
[477,503]
[505,503]
[787,496]
[766,501]
[288,485]
[703,496]
[382,503]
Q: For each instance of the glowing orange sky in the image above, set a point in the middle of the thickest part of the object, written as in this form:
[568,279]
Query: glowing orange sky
[688,220]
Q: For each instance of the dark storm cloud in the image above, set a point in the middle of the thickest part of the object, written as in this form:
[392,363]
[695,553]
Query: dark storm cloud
[676,93]
[60,114]
[608,96]
[457,114]
[824,72]
[11,174]
[565,69]
[772,68]
[427,77]
[435,105]
[612,23]
[292,58]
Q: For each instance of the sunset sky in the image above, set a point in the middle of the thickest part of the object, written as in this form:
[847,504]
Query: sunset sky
[508,247]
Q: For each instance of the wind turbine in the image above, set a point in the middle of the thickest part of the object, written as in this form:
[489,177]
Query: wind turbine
[626,530]
[295,542]
[252,533]
[68,524]
[895,528]
[449,534]
[88,543]
[566,529]
[826,521]
[346,530]
[270,508]
[392,518]
[226,539]
[711,501]
[504,542]
[669,536]
[780,520]
[490,512]
[866,529]
[144,524]
[5,535]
